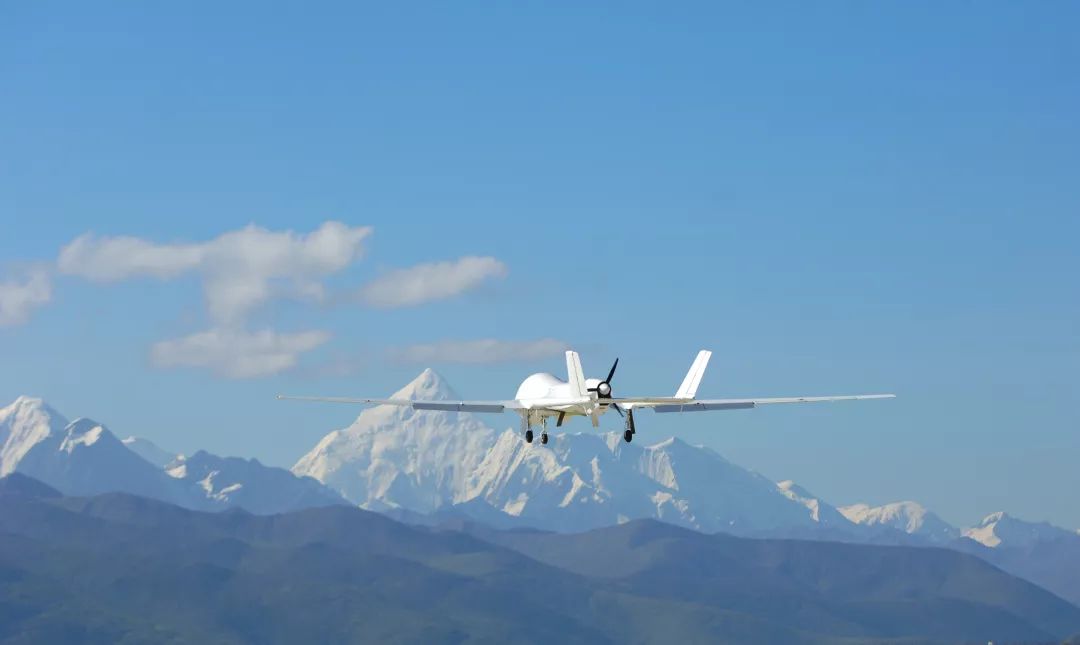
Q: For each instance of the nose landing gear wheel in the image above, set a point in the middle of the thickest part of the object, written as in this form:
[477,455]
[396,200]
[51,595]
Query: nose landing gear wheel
[543,438]
[528,436]
[627,436]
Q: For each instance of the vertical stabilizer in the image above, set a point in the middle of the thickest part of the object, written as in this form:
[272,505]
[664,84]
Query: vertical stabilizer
[688,389]
[575,376]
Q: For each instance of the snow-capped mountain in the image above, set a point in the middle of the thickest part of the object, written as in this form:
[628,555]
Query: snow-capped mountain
[1042,553]
[1001,530]
[24,424]
[583,480]
[84,458]
[248,484]
[910,517]
[398,457]
[425,461]
[433,467]
[822,512]
[77,458]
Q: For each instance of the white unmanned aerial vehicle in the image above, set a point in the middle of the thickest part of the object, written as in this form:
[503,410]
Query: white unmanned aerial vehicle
[543,395]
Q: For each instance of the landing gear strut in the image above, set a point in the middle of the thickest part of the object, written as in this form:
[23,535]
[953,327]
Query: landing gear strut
[630,430]
[526,425]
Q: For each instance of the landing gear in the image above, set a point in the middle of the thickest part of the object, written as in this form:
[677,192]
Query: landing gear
[627,436]
[630,431]
[526,425]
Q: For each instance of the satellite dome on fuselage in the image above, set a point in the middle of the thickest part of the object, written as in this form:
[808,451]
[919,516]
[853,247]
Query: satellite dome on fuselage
[543,385]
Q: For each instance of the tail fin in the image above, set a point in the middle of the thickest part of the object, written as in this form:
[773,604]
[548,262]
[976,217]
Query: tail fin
[688,389]
[575,376]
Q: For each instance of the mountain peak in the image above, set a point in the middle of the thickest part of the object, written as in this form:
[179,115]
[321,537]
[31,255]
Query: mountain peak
[1002,529]
[25,406]
[82,432]
[399,457]
[27,400]
[429,385]
[907,516]
[986,531]
[24,424]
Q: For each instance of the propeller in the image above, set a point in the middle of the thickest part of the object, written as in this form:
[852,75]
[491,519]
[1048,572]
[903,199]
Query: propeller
[603,388]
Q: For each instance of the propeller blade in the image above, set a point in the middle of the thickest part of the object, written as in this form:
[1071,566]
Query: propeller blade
[558,424]
[612,372]
[618,409]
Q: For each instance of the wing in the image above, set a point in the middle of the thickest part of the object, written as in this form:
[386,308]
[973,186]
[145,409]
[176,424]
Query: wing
[446,406]
[671,404]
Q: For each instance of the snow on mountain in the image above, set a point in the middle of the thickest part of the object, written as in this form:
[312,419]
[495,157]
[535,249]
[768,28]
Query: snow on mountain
[248,484]
[426,461]
[821,512]
[583,480]
[77,458]
[149,451]
[909,517]
[1000,529]
[84,458]
[400,457]
[23,424]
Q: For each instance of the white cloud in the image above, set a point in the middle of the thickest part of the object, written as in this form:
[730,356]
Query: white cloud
[240,269]
[237,354]
[20,297]
[112,259]
[433,281]
[480,351]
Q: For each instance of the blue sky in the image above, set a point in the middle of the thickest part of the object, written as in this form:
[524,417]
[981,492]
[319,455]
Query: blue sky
[833,197]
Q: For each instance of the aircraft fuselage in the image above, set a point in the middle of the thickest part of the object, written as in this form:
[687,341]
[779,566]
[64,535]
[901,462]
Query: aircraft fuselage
[543,385]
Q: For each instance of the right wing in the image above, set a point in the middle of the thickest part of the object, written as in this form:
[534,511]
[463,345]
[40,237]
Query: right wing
[444,406]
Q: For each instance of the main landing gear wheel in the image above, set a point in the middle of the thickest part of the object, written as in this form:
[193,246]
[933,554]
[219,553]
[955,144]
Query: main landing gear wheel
[627,436]
[543,438]
[528,436]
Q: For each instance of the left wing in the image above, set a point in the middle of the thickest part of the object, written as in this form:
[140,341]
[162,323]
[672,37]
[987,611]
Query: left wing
[673,404]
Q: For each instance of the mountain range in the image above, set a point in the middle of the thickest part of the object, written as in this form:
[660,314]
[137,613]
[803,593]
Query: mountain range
[120,568]
[82,457]
[427,467]
[432,467]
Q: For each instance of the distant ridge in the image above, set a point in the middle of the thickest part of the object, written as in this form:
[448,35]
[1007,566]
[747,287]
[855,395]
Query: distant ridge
[120,568]
[435,468]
